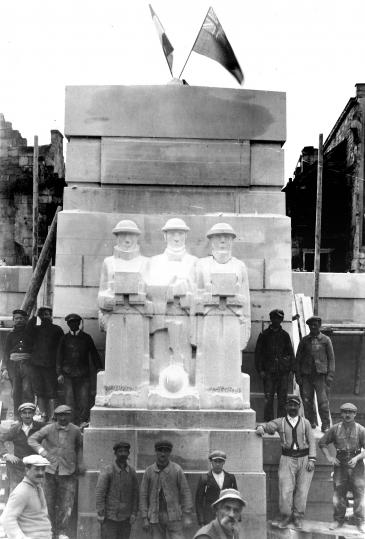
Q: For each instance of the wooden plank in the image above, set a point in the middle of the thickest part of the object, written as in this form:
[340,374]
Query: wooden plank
[175,112]
[151,161]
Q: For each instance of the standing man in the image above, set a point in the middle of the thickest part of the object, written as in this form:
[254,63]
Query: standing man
[62,445]
[17,357]
[228,509]
[19,434]
[46,338]
[166,503]
[274,360]
[117,494]
[298,456]
[348,437]
[25,515]
[314,371]
[210,486]
[75,352]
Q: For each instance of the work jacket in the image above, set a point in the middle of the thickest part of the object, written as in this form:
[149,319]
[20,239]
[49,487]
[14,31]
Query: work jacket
[274,351]
[175,488]
[117,493]
[74,353]
[208,492]
[304,433]
[20,440]
[315,352]
[351,438]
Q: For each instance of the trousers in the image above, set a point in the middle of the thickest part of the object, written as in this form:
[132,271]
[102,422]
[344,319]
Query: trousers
[172,529]
[294,483]
[113,529]
[77,395]
[310,383]
[345,479]
[275,382]
[21,383]
[60,496]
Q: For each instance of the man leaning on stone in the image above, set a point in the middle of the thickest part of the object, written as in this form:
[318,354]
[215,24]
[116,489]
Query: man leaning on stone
[314,371]
[210,486]
[226,525]
[165,497]
[348,437]
[298,456]
[117,495]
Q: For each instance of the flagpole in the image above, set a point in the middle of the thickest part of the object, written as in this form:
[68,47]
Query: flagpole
[196,39]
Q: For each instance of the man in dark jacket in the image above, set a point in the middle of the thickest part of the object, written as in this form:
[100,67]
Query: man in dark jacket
[117,494]
[18,434]
[315,370]
[45,338]
[210,486]
[75,352]
[274,360]
[16,364]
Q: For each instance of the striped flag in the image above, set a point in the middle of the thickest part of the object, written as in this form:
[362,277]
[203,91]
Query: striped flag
[165,42]
[212,42]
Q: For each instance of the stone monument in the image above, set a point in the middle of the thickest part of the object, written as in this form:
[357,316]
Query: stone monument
[149,154]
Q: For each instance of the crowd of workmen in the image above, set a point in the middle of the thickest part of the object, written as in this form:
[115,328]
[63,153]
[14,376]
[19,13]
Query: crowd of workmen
[53,371]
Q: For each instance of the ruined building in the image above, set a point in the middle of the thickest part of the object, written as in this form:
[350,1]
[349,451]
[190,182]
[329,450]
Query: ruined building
[16,187]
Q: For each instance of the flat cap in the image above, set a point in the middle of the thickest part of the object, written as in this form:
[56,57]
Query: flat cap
[127,226]
[221,228]
[20,311]
[63,409]
[294,398]
[72,316]
[121,445]
[163,444]
[27,406]
[175,224]
[217,455]
[314,319]
[36,460]
[44,308]
[229,494]
[348,406]
[278,313]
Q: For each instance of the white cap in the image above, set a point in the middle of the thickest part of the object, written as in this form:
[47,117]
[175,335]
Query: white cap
[175,224]
[36,460]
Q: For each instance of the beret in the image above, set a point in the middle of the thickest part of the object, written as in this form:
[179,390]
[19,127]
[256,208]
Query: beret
[35,460]
[278,313]
[163,444]
[63,409]
[72,316]
[217,455]
[348,406]
[121,445]
[27,406]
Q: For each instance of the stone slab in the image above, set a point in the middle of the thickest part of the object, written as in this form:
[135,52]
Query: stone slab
[267,164]
[314,529]
[278,273]
[83,160]
[255,270]
[72,298]
[15,278]
[244,450]
[190,112]
[91,269]
[68,270]
[264,301]
[174,162]
[331,285]
[157,199]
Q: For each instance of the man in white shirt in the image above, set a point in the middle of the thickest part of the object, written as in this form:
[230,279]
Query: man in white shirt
[298,456]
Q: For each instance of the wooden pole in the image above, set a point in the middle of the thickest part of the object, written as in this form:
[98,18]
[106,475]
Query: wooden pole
[318,230]
[41,267]
[35,204]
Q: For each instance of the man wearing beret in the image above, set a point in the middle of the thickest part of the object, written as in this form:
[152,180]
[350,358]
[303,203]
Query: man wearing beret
[25,515]
[274,360]
[210,486]
[228,508]
[348,437]
[76,351]
[61,443]
[45,338]
[314,371]
[117,495]
[165,499]
[19,434]
[298,456]
[16,363]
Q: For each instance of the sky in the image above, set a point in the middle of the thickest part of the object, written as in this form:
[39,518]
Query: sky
[312,50]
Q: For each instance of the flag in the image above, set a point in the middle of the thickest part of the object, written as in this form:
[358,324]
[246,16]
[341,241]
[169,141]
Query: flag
[213,42]
[166,45]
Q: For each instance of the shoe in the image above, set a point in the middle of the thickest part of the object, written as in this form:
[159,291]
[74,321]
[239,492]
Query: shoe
[284,522]
[361,527]
[298,522]
[314,425]
[325,428]
[336,524]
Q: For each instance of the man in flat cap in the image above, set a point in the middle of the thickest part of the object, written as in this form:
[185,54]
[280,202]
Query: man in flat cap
[210,486]
[25,514]
[18,434]
[117,494]
[348,438]
[61,443]
[314,371]
[298,456]
[228,508]
[274,360]
[17,356]
[45,338]
[76,351]
[165,497]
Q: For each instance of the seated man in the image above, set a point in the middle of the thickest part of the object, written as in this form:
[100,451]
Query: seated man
[226,525]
